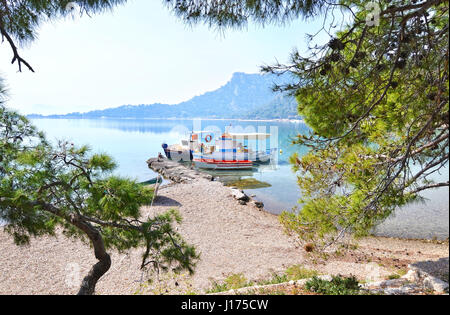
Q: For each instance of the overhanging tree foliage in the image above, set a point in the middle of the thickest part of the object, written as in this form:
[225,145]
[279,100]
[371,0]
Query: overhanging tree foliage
[375,96]
[19,19]
[44,188]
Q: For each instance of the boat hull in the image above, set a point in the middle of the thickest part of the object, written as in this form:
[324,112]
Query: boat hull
[223,165]
[178,155]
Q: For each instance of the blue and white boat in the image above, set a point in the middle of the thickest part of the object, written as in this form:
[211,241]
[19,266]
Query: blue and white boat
[225,152]
[228,152]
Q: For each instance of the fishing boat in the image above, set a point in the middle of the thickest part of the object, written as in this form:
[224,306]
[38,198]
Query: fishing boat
[153,181]
[225,152]
[229,153]
[182,152]
[256,156]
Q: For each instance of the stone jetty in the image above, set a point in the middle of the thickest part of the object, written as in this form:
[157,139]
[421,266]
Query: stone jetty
[186,173]
[176,172]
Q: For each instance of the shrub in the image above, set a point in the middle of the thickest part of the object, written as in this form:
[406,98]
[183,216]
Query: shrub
[298,272]
[337,286]
[233,282]
[276,278]
[237,281]
[217,287]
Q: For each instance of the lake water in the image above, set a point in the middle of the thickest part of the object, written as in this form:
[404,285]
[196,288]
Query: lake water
[133,141]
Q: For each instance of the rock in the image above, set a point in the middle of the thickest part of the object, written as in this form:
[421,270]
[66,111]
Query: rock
[302,282]
[372,285]
[435,284]
[259,204]
[412,276]
[242,202]
[248,183]
[174,171]
[239,195]
[411,287]
[392,287]
[326,277]
[393,283]
[399,291]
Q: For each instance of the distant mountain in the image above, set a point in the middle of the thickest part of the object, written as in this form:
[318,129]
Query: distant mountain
[280,107]
[244,96]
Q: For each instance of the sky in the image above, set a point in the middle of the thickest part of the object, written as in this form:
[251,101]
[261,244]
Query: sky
[138,54]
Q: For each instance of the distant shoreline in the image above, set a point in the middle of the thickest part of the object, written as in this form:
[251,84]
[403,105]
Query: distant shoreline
[297,121]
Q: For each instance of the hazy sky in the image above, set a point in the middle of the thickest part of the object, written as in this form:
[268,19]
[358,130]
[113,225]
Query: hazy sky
[138,54]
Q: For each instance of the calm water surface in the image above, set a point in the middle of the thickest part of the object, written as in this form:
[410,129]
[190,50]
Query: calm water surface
[132,142]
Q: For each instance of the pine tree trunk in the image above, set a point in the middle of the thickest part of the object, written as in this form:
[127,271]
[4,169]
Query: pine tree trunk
[104,260]
[96,272]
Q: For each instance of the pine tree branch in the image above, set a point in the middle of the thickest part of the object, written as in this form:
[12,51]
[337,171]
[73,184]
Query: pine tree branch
[419,189]
[16,56]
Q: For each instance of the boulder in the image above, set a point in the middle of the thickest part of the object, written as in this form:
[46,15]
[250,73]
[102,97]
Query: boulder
[412,276]
[239,195]
[259,204]
[435,284]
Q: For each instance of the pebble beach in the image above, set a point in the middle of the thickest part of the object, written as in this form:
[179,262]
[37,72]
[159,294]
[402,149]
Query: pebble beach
[231,238]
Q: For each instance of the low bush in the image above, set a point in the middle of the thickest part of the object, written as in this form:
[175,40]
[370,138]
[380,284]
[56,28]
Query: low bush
[337,286]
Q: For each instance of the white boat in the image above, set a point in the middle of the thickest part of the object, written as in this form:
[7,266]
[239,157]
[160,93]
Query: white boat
[183,152]
[229,153]
[225,152]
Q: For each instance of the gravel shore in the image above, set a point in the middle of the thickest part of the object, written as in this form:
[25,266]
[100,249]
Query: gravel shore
[231,238]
